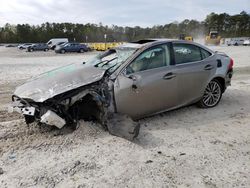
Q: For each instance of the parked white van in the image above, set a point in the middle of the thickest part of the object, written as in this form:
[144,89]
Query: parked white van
[246,42]
[53,42]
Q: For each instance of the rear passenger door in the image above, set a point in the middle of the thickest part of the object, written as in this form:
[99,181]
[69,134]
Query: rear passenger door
[39,47]
[72,48]
[76,47]
[195,67]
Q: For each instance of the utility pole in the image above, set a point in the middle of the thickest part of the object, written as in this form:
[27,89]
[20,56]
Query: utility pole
[105,37]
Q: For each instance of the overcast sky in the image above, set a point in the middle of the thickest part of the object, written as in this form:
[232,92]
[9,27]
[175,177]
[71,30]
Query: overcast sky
[123,13]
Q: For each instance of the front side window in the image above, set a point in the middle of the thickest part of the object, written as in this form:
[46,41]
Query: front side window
[186,53]
[152,58]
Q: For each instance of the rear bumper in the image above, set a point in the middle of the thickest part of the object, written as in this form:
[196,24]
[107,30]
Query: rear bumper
[229,77]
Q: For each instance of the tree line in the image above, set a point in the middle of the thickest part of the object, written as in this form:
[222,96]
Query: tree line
[227,25]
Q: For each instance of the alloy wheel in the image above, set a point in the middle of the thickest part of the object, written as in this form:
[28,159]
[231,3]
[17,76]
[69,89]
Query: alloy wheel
[212,94]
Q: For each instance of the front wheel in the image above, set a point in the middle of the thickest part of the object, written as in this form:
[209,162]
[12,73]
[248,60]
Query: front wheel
[212,95]
[62,51]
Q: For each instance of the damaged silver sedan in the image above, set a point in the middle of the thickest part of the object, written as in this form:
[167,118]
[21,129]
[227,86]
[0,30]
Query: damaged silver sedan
[134,80]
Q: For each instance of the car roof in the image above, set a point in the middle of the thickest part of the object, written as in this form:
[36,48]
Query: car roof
[155,41]
[151,41]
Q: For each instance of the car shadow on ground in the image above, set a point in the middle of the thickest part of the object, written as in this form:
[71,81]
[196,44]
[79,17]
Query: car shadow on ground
[191,118]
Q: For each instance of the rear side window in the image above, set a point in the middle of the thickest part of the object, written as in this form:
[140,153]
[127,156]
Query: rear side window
[186,53]
[205,54]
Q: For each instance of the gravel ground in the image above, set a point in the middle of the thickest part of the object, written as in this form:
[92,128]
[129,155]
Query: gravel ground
[188,147]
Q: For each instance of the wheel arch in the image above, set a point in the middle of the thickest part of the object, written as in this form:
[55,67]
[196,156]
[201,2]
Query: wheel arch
[222,82]
[89,104]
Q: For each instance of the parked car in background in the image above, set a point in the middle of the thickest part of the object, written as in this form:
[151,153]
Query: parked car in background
[38,47]
[71,47]
[52,42]
[24,46]
[236,42]
[136,79]
[246,42]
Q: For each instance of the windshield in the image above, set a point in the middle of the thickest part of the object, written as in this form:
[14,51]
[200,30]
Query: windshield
[112,59]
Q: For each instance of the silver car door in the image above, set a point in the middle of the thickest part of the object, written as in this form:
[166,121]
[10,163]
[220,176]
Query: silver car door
[194,71]
[148,85]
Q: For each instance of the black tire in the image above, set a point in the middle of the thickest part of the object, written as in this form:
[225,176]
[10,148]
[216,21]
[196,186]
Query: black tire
[46,49]
[81,50]
[62,51]
[31,49]
[212,95]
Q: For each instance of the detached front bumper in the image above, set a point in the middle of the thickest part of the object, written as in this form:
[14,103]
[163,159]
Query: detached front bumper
[21,106]
[35,113]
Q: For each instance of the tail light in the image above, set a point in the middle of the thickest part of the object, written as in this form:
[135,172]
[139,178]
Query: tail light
[231,64]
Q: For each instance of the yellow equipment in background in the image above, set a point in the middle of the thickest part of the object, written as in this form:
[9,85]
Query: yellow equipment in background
[103,46]
[213,38]
[189,38]
[184,37]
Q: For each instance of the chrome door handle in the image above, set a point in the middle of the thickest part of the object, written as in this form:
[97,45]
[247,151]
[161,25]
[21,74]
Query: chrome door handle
[169,76]
[208,67]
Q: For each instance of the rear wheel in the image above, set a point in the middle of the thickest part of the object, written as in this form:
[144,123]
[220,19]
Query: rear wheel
[31,49]
[81,50]
[62,51]
[212,95]
[46,49]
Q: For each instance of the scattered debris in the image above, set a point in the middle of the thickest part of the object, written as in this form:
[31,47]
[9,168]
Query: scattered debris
[12,156]
[149,161]
[123,126]
[1,171]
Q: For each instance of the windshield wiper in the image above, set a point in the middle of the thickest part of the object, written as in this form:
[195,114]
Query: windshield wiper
[105,62]
[109,61]
[96,65]
[111,67]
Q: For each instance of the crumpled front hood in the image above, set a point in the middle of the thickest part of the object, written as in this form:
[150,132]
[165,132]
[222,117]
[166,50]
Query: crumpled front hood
[58,81]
